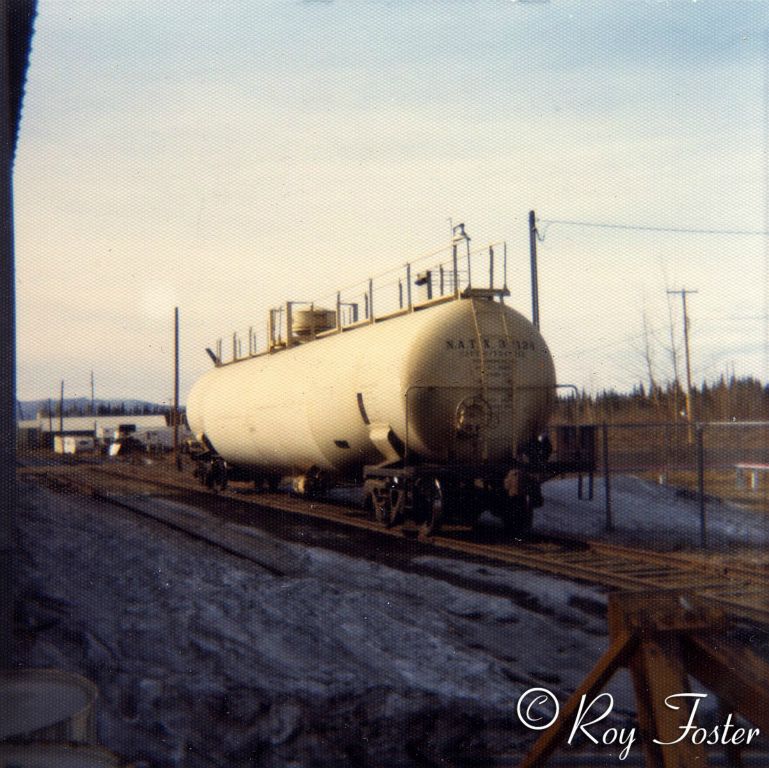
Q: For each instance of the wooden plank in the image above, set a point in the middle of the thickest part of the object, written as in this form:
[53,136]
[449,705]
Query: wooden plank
[615,657]
[661,667]
[658,671]
[734,672]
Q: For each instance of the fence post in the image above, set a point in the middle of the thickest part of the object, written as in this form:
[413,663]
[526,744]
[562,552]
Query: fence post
[606,480]
[701,484]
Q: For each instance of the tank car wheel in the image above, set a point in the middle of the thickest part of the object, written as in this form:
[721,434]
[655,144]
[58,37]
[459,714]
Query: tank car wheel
[430,507]
[380,501]
[216,476]
[312,484]
[199,473]
[386,501]
[266,482]
[518,518]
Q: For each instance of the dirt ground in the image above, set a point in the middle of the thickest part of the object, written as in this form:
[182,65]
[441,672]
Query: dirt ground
[205,659]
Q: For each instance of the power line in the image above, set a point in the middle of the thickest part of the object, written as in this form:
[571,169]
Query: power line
[649,228]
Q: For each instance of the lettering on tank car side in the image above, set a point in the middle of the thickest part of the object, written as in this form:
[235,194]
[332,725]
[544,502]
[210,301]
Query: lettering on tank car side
[493,347]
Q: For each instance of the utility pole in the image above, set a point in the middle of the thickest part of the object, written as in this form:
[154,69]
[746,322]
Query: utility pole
[16,24]
[534,279]
[689,415]
[61,410]
[7,339]
[177,457]
[93,409]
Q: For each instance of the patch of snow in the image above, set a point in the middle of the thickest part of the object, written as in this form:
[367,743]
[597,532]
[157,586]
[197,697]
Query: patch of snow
[646,512]
[204,659]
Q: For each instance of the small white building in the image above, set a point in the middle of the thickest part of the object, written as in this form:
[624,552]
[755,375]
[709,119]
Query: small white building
[157,439]
[105,434]
[72,444]
[92,424]
[149,431]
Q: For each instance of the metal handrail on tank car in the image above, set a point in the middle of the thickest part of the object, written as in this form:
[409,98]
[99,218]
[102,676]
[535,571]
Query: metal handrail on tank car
[459,283]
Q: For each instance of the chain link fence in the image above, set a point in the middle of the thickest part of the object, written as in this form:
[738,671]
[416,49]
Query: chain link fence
[711,463]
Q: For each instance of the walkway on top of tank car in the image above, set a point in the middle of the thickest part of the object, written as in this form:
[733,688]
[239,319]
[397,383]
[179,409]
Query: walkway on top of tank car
[443,275]
[740,588]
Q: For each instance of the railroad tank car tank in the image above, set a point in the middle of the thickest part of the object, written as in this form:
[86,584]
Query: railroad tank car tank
[438,409]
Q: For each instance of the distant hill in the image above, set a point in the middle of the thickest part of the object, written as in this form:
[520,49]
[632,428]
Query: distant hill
[81,406]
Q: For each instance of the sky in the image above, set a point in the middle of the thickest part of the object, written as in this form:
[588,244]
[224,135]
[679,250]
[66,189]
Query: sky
[224,157]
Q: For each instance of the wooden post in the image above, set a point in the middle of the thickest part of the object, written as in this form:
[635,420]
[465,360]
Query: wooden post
[61,408]
[289,325]
[534,278]
[658,671]
[371,300]
[616,657]
[663,637]
[175,416]
[7,347]
[701,485]
[408,286]
[606,477]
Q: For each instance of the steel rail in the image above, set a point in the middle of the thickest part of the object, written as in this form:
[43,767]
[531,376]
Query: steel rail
[741,590]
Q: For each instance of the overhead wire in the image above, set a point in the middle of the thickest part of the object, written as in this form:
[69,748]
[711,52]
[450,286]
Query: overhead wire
[629,339]
[649,228]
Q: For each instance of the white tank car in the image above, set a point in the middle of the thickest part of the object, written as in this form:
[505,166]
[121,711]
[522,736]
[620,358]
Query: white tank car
[470,381]
[439,407]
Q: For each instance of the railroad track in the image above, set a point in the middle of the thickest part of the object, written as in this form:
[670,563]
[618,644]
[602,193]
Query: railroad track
[740,589]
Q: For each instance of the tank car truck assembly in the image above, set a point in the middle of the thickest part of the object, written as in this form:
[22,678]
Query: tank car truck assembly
[438,402]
